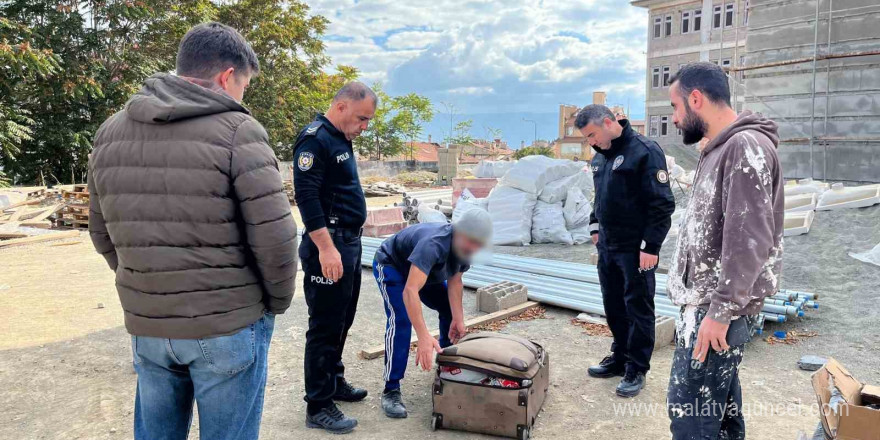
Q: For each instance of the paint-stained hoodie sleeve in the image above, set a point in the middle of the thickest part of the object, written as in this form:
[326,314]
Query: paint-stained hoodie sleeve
[658,201]
[749,226]
[269,227]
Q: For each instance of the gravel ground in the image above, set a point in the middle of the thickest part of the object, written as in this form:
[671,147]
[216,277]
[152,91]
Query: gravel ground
[65,368]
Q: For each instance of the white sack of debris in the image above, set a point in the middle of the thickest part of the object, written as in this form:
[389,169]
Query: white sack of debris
[577,209]
[557,190]
[511,211]
[548,224]
[430,215]
[492,169]
[466,202]
[581,234]
[532,173]
[872,256]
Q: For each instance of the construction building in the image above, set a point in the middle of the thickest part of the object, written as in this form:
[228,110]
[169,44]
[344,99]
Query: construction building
[682,32]
[814,68]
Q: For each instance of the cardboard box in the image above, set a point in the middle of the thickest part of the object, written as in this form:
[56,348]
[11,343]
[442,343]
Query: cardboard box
[853,421]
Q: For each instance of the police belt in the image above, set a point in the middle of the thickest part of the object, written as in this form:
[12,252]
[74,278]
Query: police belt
[346,232]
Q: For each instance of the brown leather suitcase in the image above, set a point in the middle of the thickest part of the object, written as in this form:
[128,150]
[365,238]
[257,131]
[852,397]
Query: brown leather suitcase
[505,402]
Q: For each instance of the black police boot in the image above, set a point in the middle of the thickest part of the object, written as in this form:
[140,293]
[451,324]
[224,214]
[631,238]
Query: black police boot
[345,392]
[609,367]
[392,404]
[632,384]
[332,420]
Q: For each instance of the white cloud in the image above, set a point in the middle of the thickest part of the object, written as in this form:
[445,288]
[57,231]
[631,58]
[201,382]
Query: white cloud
[493,55]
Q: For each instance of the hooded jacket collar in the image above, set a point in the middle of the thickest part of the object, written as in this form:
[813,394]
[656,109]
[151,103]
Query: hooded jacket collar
[167,98]
[747,120]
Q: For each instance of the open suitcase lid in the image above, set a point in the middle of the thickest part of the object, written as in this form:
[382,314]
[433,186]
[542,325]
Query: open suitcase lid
[504,354]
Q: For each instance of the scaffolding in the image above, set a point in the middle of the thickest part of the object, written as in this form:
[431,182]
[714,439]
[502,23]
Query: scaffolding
[812,138]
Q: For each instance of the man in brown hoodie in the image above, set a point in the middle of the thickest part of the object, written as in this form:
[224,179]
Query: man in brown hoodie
[188,208]
[729,252]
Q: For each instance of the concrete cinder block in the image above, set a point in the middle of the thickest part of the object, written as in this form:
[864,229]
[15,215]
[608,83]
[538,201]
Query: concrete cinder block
[501,295]
[664,331]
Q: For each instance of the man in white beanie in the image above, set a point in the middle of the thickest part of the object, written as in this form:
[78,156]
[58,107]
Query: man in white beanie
[424,264]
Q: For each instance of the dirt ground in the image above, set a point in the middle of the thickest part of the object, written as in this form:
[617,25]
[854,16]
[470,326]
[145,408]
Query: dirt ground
[65,358]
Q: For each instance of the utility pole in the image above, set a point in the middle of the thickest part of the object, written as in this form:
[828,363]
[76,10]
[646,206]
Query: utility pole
[450,108]
[535,142]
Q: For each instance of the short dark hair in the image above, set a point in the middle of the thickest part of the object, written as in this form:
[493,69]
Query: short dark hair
[210,48]
[708,78]
[356,91]
[592,114]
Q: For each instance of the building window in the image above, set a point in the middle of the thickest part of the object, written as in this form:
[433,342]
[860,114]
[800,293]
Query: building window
[668,27]
[664,125]
[746,14]
[725,62]
[685,22]
[716,17]
[666,76]
[571,149]
[658,26]
[728,15]
[698,18]
[655,77]
[655,126]
[569,130]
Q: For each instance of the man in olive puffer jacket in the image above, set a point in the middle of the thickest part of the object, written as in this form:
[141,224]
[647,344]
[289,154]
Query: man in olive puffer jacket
[188,208]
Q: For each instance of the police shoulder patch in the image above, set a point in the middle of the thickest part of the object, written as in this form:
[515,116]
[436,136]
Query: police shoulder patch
[662,176]
[305,160]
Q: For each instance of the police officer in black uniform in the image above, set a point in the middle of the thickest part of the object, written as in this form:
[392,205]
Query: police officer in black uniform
[631,215]
[333,209]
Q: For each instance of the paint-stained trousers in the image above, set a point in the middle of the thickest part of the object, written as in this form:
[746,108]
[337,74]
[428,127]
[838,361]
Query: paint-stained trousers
[628,297]
[705,401]
[332,306]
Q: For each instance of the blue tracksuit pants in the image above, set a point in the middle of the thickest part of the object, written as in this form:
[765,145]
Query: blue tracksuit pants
[398,328]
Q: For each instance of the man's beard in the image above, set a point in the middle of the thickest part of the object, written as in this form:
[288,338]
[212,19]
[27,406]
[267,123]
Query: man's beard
[693,128]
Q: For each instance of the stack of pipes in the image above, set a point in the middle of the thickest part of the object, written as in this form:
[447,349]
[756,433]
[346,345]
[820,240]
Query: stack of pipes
[438,199]
[576,286]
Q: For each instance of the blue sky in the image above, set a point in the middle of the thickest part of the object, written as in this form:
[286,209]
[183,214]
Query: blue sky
[496,61]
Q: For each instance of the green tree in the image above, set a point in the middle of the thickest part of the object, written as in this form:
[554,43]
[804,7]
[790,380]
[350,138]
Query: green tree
[397,120]
[100,51]
[461,133]
[414,110]
[533,151]
[23,64]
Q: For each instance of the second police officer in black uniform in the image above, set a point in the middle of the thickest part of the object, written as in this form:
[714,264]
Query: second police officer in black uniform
[333,209]
[631,215]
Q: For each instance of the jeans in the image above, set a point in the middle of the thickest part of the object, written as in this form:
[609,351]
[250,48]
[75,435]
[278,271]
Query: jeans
[704,402]
[224,375]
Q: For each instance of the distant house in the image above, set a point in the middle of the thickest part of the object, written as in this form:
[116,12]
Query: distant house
[484,150]
[573,145]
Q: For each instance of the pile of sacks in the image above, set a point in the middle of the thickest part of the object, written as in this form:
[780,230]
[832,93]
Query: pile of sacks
[492,169]
[538,200]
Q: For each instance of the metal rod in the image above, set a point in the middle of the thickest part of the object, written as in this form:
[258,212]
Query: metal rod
[827,92]
[864,53]
[813,89]
[735,47]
